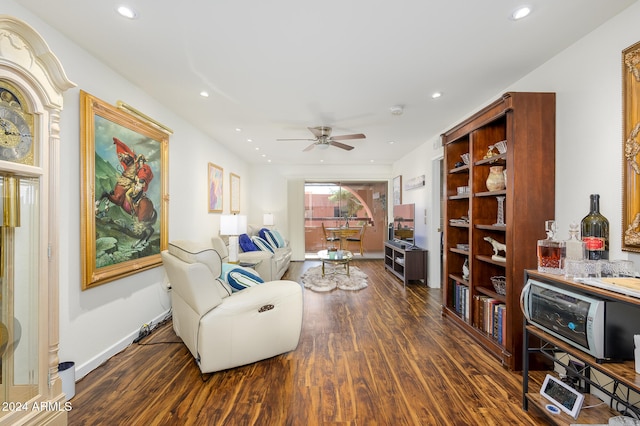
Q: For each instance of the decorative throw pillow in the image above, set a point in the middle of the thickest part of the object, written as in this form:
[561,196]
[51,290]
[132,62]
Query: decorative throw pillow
[238,277]
[269,236]
[262,244]
[246,244]
[278,237]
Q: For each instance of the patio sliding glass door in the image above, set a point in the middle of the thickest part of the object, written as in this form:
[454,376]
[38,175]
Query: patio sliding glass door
[337,205]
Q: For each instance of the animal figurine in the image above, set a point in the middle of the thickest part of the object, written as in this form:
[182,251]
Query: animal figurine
[497,248]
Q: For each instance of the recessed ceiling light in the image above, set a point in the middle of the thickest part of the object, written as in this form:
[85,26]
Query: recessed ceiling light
[269,160]
[264,155]
[249,140]
[238,129]
[520,13]
[436,95]
[257,148]
[372,161]
[127,12]
[391,142]
[204,94]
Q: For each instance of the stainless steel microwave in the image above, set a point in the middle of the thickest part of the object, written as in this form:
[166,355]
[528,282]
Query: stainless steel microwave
[602,328]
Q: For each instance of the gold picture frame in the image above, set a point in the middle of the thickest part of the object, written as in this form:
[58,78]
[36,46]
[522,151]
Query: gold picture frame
[234,187]
[125,203]
[214,183]
[631,148]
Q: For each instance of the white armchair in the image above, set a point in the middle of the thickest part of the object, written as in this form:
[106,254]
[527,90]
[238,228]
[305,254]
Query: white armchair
[224,329]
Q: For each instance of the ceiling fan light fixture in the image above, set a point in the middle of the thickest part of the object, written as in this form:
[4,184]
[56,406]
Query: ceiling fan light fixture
[323,145]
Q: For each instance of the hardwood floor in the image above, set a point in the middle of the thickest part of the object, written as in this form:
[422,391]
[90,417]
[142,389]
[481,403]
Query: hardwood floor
[379,356]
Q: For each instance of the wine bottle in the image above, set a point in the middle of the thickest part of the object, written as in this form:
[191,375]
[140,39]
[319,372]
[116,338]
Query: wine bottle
[594,230]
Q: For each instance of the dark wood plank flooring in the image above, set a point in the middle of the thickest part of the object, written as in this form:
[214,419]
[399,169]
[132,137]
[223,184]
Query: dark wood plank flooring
[379,356]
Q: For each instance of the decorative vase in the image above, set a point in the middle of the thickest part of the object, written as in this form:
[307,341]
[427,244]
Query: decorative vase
[495,181]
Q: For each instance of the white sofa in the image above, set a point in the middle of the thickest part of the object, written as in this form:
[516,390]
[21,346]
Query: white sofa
[270,266]
[223,329]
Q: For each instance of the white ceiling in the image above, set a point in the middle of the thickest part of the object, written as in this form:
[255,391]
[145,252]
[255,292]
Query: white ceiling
[273,68]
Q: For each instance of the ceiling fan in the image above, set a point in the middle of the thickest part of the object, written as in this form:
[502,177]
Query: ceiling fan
[323,138]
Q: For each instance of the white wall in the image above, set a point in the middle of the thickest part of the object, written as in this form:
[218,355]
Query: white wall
[99,322]
[420,162]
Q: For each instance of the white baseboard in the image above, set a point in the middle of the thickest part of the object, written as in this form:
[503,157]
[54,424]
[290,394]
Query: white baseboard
[97,361]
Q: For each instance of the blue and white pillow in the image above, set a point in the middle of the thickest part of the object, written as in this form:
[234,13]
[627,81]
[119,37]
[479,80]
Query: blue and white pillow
[262,244]
[238,277]
[278,237]
[269,236]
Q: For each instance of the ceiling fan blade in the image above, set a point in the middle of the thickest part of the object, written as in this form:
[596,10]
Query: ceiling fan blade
[320,131]
[341,145]
[346,137]
[295,139]
[309,148]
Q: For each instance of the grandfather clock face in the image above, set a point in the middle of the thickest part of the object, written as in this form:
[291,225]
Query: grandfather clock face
[16,126]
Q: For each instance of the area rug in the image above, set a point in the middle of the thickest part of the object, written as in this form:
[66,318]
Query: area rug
[334,277]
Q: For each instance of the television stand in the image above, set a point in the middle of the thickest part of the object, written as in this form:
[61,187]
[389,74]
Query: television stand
[407,262]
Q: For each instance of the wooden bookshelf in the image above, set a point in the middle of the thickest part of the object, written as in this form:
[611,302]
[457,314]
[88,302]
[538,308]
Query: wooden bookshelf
[526,121]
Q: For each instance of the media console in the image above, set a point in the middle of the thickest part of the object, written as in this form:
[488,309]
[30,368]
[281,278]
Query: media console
[405,261]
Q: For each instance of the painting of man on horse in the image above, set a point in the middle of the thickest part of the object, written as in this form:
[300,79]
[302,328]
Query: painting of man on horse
[125,200]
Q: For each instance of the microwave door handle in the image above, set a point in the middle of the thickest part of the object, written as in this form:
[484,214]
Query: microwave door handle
[522,295]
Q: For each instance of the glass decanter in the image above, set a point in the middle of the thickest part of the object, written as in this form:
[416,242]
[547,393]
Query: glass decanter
[551,252]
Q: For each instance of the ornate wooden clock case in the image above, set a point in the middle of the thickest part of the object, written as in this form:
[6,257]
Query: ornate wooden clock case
[32,82]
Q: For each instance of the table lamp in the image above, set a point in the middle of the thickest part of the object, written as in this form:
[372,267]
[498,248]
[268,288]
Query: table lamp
[233,225]
[267,219]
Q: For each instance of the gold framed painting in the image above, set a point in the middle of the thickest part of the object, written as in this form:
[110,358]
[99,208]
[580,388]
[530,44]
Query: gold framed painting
[234,185]
[214,177]
[631,148]
[125,204]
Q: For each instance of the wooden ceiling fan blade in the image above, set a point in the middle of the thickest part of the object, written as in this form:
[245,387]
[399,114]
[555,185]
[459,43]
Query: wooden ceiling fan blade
[341,145]
[309,148]
[347,137]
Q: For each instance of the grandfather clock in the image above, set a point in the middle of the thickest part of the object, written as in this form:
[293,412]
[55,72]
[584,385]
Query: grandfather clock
[32,81]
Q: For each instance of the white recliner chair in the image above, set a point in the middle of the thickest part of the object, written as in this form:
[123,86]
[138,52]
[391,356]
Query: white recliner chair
[224,329]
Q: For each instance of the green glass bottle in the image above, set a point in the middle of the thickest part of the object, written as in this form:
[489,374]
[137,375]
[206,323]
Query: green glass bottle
[594,230]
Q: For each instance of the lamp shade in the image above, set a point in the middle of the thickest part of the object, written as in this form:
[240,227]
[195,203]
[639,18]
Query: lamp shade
[267,219]
[233,224]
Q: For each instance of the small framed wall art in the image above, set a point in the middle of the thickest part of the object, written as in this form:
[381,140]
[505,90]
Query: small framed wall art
[397,190]
[215,188]
[234,184]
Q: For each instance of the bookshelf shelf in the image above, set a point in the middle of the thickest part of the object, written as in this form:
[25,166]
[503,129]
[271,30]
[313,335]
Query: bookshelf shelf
[526,121]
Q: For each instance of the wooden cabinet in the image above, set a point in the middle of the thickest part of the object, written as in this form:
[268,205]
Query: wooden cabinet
[616,380]
[406,264]
[526,123]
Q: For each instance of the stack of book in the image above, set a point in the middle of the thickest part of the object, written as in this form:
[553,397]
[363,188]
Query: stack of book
[461,300]
[490,316]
